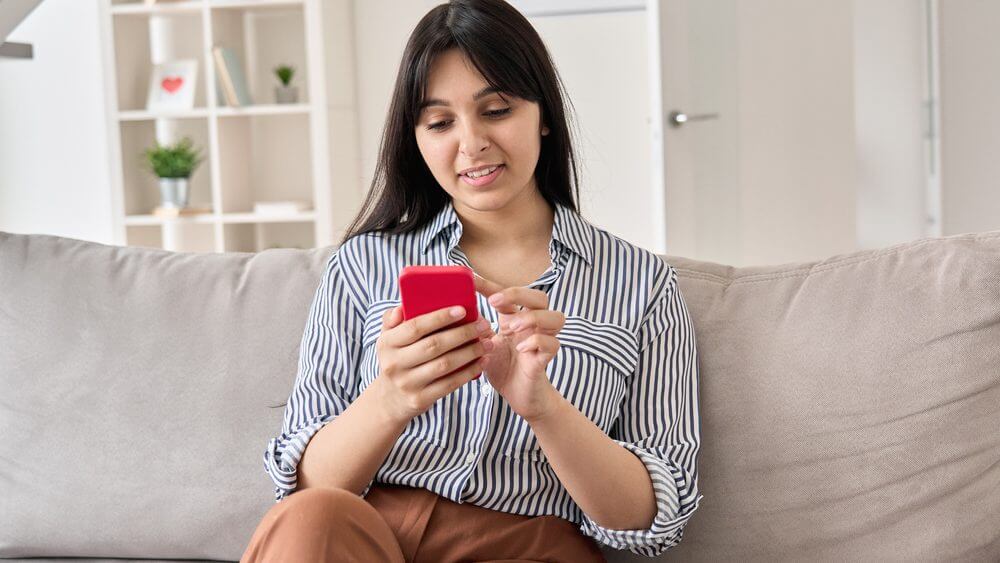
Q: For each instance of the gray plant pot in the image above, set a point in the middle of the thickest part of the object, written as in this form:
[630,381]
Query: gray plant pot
[174,192]
[286,94]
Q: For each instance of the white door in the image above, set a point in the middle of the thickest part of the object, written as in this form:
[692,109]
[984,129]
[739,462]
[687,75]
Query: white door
[771,176]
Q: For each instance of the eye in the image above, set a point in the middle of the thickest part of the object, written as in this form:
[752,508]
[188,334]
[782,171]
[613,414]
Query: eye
[440,125]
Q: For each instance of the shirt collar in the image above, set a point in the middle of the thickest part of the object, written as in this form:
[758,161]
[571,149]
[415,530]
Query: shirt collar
[568,228]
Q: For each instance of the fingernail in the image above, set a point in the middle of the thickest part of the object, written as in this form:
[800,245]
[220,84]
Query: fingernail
[522,347]
[457,312]
[487,345]
[496,299]
[514,325]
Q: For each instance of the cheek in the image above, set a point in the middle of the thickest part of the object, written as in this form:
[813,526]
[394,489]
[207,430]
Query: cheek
[435,153]
[520,143]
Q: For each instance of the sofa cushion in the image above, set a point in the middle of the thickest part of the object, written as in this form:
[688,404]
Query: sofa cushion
[849,406]
[136,384]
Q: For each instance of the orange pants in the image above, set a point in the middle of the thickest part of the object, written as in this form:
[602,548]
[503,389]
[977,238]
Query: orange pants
[407,524]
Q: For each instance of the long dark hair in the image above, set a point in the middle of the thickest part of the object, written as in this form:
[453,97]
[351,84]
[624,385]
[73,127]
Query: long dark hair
[504,47]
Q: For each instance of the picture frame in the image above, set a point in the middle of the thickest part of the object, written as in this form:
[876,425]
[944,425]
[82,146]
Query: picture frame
[172,85]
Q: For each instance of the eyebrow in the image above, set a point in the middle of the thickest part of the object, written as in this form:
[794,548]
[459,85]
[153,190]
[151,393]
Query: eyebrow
[478,95]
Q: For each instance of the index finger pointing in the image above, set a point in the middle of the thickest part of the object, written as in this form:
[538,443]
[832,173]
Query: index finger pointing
[485,286]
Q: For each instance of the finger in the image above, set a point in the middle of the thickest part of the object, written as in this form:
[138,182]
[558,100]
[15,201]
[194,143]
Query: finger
[445,385]
[416,328]
[507,301]
[545,320]
[485,286]
[539,343]
[428,372]
[392,317]
[434,345]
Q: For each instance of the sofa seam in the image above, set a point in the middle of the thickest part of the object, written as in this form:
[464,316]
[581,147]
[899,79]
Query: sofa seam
[805,272]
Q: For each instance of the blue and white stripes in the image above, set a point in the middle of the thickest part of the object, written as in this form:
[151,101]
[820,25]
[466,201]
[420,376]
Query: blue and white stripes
[627,360]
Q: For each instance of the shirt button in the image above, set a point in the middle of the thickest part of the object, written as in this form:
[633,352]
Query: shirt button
[485,390]
[470,458]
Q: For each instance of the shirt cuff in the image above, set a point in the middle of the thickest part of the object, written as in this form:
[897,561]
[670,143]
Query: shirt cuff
[669,484]
[281,458]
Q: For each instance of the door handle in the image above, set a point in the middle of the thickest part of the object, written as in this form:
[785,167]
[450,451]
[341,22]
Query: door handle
[677,118]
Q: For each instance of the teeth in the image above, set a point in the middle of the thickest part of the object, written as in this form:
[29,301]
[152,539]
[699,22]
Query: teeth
[480,173]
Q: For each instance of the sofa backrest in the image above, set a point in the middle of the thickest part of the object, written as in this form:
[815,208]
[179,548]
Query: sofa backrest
[849,406]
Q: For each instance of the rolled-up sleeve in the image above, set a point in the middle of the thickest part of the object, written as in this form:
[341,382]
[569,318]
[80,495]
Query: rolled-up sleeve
[327,378]
[659,423]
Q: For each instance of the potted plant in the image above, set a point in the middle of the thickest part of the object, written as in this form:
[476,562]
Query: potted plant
[173,164]
[285,93]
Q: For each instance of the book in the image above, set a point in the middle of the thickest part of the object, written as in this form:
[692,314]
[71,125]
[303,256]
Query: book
[280,207]
[231,80]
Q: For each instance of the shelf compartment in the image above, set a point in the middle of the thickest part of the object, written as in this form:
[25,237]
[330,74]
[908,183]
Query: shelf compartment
[264,158]
[133,55]
[255,237]
[262,35]
[182,236]
[150,236]
[142,190]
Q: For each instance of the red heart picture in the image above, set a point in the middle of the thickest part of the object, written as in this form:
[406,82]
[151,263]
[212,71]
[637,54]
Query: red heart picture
[172,83]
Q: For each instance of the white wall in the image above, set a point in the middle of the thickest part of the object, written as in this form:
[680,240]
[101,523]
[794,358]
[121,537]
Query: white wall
[889,86]
[381,28]
[797,158]
[970,120]
[54,174]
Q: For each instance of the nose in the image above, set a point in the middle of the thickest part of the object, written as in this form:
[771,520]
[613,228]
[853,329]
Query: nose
[472,139]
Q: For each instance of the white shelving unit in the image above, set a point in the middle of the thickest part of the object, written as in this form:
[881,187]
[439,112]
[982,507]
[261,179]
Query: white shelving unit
[262,152]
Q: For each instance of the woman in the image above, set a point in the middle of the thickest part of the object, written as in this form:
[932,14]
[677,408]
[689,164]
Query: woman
[584,430]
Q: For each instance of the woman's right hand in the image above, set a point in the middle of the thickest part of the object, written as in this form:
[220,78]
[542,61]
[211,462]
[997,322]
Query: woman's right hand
[419,363]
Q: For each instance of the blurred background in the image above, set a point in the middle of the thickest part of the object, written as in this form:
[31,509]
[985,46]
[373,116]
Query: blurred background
[745,132]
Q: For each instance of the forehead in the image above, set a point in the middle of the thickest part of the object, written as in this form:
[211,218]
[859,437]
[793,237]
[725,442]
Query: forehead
[453,79]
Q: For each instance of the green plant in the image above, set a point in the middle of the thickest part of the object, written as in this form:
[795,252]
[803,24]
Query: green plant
[173,161]
[284,73]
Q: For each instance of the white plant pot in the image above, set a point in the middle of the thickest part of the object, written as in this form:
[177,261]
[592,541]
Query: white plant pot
[286,94]
[174,192]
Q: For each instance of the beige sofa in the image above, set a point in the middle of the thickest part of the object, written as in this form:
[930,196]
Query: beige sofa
[850,407]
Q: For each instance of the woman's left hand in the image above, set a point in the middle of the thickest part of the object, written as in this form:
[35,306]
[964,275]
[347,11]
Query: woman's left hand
[523,347]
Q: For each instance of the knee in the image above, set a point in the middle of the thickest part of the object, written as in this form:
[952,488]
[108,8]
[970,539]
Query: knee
[315,524]
[318,504]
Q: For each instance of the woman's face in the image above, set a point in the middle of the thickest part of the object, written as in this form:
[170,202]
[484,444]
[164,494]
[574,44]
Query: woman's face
[469,132]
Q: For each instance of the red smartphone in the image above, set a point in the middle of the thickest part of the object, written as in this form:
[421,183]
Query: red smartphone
[428,288]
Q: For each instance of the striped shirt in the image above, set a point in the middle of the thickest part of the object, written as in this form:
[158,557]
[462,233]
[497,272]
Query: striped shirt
[627,360]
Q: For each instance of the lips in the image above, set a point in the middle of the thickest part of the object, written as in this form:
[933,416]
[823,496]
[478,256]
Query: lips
[479,169]
[483,180]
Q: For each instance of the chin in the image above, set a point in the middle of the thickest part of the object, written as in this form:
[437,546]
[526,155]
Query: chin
[485,201]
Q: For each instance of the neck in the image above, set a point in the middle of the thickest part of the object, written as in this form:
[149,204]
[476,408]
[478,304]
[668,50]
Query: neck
[525,222]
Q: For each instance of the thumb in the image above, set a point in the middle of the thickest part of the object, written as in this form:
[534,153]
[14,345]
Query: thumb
[393,317]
